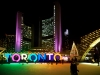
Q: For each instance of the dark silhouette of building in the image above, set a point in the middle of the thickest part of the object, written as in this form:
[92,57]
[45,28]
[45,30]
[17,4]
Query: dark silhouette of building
[37,33]
[66,40]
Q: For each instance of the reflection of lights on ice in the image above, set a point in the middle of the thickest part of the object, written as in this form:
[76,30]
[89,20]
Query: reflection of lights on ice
[95,64]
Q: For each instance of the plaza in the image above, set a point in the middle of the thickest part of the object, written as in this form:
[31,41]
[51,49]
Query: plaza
[49,35]
[47,69]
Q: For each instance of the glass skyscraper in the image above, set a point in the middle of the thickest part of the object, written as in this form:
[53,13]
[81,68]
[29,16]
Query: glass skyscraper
[48,33]
[51,30]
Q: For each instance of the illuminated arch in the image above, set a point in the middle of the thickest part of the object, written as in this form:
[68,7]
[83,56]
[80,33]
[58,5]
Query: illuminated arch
[90,47]
[2,50]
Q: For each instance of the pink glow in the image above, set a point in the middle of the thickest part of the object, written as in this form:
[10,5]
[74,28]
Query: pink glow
[18,32]
[58,31]
[60,37]
[14,56]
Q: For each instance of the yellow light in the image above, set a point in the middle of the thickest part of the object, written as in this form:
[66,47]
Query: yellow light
[90,47]
[95,42]
[56,55]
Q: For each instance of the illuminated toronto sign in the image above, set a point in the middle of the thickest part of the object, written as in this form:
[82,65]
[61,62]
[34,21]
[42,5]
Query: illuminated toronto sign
[33,57]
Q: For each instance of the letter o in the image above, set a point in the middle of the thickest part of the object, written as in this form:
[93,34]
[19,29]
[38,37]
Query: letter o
[56,55]
[14,56]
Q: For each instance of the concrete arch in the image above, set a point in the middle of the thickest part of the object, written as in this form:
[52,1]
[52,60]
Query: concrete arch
[90,47]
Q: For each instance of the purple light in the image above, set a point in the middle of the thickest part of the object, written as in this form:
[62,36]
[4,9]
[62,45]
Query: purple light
[56,43]
[17,59]
[18,32]
[58,32]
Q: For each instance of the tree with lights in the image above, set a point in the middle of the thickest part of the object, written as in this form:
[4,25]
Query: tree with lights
[74,51]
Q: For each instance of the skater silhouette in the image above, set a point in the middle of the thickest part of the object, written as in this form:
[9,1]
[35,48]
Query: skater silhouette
[73,68]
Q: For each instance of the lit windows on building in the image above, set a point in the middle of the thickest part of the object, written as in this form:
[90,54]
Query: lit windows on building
[39,50]
[48,30]
[47,27]
[89,38]
[26,45]
[9,43]
[26,31]
[48,44]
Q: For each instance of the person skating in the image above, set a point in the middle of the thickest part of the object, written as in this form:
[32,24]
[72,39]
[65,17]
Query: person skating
[73,68]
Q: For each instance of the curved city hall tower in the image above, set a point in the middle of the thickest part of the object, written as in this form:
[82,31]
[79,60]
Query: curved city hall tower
[57,28]
[18,32]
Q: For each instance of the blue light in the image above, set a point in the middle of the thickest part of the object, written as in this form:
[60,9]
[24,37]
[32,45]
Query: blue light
[7,55]
[41,57]
[32,57]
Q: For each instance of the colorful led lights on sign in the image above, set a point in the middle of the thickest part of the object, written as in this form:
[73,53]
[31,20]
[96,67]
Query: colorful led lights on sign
[37,57]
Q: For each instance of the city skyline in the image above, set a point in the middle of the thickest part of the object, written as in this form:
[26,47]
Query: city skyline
[48,36]
[77,19]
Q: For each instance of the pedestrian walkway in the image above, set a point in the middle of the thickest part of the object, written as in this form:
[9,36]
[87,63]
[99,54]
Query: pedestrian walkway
[47,69]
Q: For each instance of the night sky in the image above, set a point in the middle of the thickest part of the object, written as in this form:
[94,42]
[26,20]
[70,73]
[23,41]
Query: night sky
[79,17]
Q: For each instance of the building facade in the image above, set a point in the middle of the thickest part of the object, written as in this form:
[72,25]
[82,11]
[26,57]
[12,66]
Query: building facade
[26,37]
[23,34]
[18,43]
[48,33]
[51,30]
[8,42]
[66,40]
[57,28]
[43,33]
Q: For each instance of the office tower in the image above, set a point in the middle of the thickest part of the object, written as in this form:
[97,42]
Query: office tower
[23,34]
[47,33]
[27,33]
[51,30]
[57,28]
[8,42]
[66,40]
[26,37]
[18,32]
